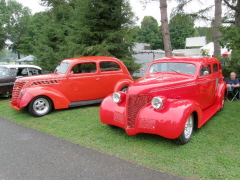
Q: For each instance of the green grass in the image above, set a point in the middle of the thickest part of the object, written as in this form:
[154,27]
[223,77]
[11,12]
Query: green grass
[213,153]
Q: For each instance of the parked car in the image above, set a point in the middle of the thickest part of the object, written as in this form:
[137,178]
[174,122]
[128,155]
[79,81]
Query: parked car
[76,82]
[9,73]
[176,95]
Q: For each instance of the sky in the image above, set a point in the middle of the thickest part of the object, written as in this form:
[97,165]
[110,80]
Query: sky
[151,9]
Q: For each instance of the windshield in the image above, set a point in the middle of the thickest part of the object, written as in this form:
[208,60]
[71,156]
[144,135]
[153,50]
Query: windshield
[62,68]
[183,68]
[5,71]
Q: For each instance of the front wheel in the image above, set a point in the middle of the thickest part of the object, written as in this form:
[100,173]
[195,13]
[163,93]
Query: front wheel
[187,131]
[40,106]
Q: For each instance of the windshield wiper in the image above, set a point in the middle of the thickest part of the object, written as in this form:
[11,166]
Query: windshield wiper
[175,71]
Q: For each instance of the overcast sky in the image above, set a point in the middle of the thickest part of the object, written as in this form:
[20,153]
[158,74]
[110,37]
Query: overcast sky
[152,9]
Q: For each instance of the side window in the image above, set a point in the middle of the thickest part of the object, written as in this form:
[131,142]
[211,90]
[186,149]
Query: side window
[109,66]
[84,68]
[215,68]
[22,72]
[205,70]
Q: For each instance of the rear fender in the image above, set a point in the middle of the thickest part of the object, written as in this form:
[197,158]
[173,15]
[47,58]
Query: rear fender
[120,84]
[58,99]
[169,121]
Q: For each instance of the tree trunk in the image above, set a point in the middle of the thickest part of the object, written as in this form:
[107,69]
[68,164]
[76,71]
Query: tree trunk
[19,55]
[217,24]
[165,29]
[237,15]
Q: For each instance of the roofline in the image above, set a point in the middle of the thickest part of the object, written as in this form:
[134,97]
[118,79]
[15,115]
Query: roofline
[21,65]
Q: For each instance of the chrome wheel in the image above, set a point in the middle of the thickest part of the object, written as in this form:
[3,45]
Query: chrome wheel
[40,106]
[188,127]
[187,131]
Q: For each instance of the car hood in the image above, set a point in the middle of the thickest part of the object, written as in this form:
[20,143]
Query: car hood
[42,77]
[153,82]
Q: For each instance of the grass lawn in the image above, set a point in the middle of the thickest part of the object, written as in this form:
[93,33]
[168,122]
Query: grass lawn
[213,153]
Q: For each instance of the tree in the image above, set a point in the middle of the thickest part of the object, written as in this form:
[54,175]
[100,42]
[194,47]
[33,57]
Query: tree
[217,24]
[181,27]
[149,32]
[165,29]
[164,25]
[206,31]
[233,15]
[16,27]
[4,16]
[85,28]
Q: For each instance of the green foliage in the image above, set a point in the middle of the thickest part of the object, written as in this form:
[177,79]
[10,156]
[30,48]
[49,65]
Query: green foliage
[4,17]
[231,39]
[85,28]
[205,31]
[149,32]
[180,27]
[17,25]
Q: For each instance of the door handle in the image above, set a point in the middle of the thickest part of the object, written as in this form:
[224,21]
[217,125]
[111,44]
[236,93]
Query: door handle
[98,79]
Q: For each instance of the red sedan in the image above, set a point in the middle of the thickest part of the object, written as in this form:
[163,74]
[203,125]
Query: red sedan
[176,95]
[76,82]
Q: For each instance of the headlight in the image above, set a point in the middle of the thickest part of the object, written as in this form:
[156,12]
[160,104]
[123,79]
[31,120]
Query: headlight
[116,97]
[157,102]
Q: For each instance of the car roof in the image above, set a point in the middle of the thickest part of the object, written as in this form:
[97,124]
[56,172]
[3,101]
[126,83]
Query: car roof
[97,58]
[20,66]
[193,59]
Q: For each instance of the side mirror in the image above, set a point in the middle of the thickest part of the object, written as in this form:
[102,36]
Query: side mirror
[143,71]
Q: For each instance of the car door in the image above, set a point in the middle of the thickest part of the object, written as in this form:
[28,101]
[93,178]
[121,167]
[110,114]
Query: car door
[111,73]
[206,86]
[83,82]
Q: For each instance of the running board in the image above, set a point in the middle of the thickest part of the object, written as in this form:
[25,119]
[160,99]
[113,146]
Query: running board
[85,103]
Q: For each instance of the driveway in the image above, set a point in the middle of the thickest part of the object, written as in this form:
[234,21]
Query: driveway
[27,154]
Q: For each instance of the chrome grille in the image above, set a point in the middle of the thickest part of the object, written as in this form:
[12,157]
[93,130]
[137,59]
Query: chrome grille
[135,103]
[16,89]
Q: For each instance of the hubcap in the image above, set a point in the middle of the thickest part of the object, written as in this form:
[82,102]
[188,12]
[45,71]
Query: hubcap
[41,106]
[188,127]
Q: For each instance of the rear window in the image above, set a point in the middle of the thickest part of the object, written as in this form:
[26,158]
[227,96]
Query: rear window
[109,66]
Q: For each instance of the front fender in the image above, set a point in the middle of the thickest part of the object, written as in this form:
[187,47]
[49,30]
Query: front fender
[169,121]
[112,113]
[58,99]
[122,83]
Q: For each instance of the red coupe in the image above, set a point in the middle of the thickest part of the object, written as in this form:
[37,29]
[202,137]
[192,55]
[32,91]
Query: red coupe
[76,82]
[176,95]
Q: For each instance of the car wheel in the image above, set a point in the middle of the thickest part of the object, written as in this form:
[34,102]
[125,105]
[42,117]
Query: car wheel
[187,131]
[223,102]
[40,106]
[124,88]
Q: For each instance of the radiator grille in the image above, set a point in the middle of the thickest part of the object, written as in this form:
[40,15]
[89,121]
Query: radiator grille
[135,103]
[16,89]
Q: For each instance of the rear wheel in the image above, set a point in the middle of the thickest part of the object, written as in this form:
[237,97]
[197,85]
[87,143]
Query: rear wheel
[187,131]
[223,102]
[124,88]
[40,106]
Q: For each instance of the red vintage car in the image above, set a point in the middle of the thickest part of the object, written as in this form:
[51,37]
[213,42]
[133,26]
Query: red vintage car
[76,82]
[176,95]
